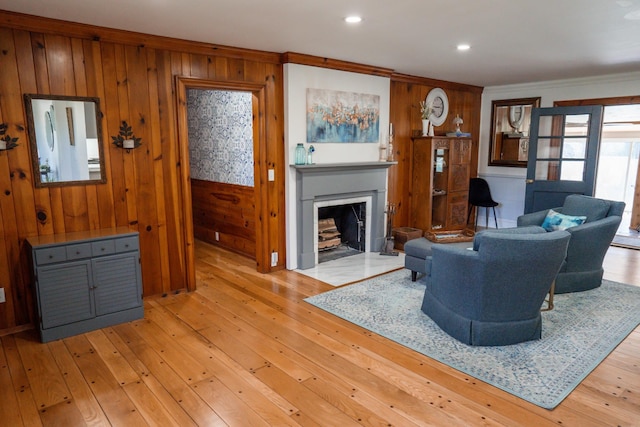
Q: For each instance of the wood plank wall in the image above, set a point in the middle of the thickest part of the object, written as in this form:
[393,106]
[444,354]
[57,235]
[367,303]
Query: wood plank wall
[134,77]
[225,209]
[406,94]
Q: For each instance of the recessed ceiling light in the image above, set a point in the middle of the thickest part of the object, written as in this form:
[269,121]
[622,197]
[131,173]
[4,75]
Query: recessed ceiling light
[464,47]
[634,15]
[353,19]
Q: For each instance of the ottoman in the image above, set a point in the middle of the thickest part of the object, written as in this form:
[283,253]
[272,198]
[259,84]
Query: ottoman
[416,252]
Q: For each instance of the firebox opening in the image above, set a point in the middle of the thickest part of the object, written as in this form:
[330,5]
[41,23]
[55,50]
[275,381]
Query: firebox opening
[341,231]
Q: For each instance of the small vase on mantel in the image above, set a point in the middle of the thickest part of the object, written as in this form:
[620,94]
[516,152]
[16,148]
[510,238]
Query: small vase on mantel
[425,127]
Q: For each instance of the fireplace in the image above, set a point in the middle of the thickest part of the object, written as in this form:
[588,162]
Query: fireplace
[338,183]
[351,219]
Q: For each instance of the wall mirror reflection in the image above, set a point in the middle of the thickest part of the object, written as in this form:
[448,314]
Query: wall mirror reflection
[66,140]
[510,123]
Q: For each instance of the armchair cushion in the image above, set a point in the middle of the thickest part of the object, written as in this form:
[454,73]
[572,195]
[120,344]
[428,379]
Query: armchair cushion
[557,221]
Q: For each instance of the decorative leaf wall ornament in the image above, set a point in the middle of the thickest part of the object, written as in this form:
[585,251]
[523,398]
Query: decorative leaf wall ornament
[10,142]
[126,134]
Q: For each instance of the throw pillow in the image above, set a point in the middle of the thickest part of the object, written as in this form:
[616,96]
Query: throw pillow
[557,221]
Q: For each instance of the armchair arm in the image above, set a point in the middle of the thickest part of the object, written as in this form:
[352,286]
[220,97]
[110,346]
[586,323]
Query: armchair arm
[535,218]
[589,243]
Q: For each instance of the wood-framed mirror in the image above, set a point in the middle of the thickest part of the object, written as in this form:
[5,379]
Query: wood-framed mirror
[510,123]
[65,137]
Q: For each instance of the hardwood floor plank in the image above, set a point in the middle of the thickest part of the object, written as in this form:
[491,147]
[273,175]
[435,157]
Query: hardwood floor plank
[117,406]
[153,363]
[62,414]
[81,392]
[229,372]
[364,415]
[226,297]
[118,366]
[185,364]
[21,384]
[9,410]
[233,410]
[46,382]
[245,349]
[313,405]
[147,404]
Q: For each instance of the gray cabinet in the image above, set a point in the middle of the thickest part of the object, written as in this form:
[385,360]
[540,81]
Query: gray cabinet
[86,281]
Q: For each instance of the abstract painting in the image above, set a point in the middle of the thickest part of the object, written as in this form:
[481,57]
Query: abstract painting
[337,116]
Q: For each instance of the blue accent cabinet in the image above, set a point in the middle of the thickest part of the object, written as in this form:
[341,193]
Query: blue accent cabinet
[86,280]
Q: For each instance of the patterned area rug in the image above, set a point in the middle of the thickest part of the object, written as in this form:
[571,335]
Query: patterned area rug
[577,334]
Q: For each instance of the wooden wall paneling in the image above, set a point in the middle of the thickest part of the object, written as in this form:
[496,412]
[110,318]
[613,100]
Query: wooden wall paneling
[236,69]
[261,187]
[171,171]
[185,181]
[134,82]
[128,156]
[400,174]
[228,210]
[145,196]
[158,172]
[274,156]
[221,69]
[17,205]
[109,105]
[9,238]
[96,87]
[28,84]
[199,66]
[7,310]
[41,69]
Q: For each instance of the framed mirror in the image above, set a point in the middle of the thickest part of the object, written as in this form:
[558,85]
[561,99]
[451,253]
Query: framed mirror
[65,136]
[510,123]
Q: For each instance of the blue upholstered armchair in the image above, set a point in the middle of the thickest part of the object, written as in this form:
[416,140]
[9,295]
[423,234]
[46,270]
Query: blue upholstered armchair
[492,295]
[589,242]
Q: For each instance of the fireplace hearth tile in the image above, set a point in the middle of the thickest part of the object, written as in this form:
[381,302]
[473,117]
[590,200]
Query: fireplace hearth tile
[354,268]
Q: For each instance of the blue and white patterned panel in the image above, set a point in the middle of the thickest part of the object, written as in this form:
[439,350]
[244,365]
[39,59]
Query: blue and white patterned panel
[220,125]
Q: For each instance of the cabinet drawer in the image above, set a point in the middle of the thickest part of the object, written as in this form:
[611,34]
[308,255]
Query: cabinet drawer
[79,251]
[103,247]
[50,255]
[127,244]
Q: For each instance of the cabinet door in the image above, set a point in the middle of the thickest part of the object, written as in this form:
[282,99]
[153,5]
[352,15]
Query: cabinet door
[64,293]
[460,159]
[457,210]
[118,285]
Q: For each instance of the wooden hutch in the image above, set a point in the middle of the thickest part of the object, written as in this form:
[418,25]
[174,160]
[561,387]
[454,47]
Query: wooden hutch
[440,172]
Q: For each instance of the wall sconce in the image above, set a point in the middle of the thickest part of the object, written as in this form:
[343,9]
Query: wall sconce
[6,141]
[125,138]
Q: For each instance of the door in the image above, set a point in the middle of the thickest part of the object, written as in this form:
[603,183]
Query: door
[563,155]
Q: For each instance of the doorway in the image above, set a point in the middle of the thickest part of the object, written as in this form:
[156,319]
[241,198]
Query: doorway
[618,166]
[618,175]
[257,91]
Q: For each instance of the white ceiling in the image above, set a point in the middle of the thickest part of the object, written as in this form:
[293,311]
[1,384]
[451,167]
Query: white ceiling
[512,41]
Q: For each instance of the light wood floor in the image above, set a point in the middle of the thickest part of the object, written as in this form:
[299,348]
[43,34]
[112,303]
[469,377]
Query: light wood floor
[245,350]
